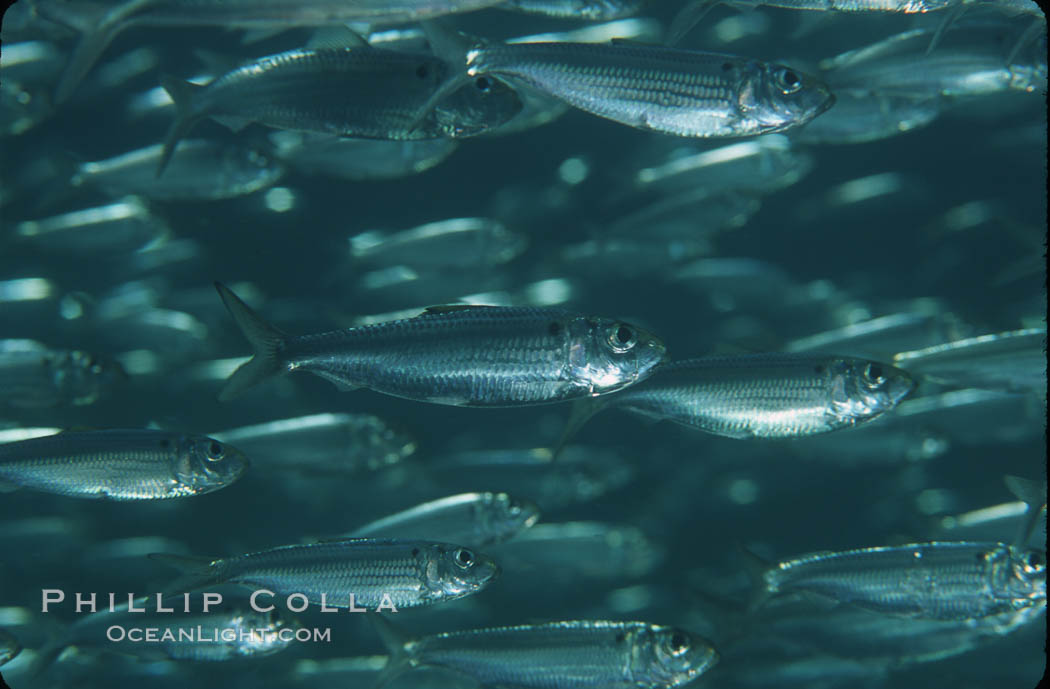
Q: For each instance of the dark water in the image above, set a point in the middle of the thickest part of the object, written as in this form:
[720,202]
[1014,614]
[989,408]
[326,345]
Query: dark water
[696,498]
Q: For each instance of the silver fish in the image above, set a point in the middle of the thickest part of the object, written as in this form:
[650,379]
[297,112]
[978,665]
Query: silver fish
[899,66]
[204,171]
[679,92]
[34,375]
[472,519]
[440,244]
[459,355]
[762,395]
[254,634]
[322,443]
[862,117]
[119,227]
[934,581]
[359,92]
[351,572]
[99,25]
[120,464]
[557,655]
[358,159]
[762,165]
[591,10]
[1013,361]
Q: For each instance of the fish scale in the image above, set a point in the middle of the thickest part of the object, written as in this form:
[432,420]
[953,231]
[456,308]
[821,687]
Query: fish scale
[939,580]
[562,655]
[687,93]
[119,464]
[459,355]
[365,572]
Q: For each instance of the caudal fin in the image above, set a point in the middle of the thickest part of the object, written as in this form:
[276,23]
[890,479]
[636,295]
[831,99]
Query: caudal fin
[198,572]
[266,341]
[98,25]
[1033,495]
[181,93]
[398,662]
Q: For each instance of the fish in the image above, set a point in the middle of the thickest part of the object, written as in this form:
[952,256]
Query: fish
[473,519]
[571,654]
[117,464]
[100,24]
[325,444]
[205,170]
[115,228]
[345,573]
[680,92]
[898,66]
[761,395]
[358,159]
[195,637]
[764,164]
[459,355]
[862,117]
[440,244]
[358,92]
[938,580]
[33,375]
[1013,361]
[590,10]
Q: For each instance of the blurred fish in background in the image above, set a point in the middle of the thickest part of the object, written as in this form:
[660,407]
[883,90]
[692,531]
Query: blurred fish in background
[801,243]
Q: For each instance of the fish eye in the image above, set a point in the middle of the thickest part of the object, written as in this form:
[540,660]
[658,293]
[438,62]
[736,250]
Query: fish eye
[484,84]
[873,375]
[215,451]
[464,558]
[514,508]
[622,338]
[1035,560]
[422,71]
[788,81]
[679,643]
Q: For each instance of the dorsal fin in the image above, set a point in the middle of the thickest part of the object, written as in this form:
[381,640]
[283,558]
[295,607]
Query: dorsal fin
[336,38]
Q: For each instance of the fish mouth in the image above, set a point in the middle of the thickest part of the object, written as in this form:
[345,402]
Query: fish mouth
[829,101]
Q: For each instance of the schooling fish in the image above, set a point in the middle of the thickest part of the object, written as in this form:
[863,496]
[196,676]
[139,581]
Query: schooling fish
[556,655]
[934,581]
[120,464]
[460,355]
[762,395]
[357,92]
[680,92]
[350,572]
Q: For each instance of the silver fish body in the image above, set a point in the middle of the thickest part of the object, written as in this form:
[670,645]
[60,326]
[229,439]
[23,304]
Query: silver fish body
[100,26]
[33,375]
[591,10]
[204,171]
[936,580]
[121,464]
[199,637]
[356,92]
[484,356]
[472,519]
[343,573]
[567,655]
[679,92]
[768,395]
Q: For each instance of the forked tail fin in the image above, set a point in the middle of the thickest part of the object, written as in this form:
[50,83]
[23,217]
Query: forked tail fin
[266,341]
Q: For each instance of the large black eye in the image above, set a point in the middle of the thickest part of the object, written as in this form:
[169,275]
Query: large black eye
[788,81]
[464,558]
[1034,559]
[622,338]
[215,451]
[873,375]
[483,84]
[679,643]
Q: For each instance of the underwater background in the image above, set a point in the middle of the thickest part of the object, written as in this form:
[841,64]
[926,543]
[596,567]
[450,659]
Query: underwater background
[945,222]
